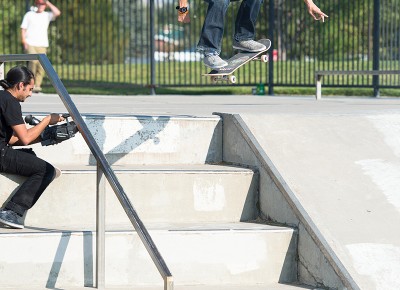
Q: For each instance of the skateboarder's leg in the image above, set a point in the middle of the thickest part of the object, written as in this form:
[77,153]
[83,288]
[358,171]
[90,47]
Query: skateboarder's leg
[213,27]
[245,26]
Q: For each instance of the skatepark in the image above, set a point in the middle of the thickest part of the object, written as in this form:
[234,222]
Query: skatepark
[285,191]
[324,174]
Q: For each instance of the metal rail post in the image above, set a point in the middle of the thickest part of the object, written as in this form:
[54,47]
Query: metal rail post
[100,229]
[375,52]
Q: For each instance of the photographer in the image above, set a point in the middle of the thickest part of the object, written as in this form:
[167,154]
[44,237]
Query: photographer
[18,86]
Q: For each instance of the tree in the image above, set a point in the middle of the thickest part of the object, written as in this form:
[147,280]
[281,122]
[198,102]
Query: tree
[90,32]
[11,14]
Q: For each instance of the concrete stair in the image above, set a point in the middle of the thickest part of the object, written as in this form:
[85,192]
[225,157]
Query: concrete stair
[210,254]
[176,194]
[127,140]
[201,216]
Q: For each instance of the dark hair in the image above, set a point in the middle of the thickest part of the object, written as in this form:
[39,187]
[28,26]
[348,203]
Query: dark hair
[17,75]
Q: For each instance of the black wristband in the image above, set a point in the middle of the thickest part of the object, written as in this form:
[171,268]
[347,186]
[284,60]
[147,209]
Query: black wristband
[182,10]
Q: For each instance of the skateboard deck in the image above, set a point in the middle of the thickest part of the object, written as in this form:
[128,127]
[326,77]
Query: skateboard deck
[226,73]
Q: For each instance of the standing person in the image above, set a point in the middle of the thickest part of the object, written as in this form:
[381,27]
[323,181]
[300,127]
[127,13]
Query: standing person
[18,86]
[213,27]
[34,35]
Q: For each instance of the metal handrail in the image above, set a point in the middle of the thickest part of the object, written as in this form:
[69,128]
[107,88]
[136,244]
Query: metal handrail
[103,170]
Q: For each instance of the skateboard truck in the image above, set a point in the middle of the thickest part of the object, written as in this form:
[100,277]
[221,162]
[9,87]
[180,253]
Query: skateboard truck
[228,78]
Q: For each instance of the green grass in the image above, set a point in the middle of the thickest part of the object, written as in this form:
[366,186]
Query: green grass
[172,77]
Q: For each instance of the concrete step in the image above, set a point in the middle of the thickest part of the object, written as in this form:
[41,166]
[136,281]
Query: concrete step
[143,140]
[213,254]
[158,193]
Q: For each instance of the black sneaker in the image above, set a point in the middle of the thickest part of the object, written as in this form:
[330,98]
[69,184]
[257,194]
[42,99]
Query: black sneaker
[11,219]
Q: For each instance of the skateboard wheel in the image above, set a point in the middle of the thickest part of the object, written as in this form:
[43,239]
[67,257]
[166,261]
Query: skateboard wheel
[264,58]
[232,79]
[214,80]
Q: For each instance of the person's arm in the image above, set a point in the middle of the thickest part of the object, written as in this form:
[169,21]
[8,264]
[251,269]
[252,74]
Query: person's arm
[183,17]
[314,11]
[54,9]
[23,39]
[24,136]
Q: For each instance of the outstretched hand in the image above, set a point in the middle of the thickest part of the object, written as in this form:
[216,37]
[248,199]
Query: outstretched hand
[314,11]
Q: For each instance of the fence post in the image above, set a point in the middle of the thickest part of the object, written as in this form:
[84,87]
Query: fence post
[375,52]
[152,51]
[271,26]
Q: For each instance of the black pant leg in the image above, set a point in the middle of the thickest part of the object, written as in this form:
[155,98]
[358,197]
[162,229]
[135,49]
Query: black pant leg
[39,175]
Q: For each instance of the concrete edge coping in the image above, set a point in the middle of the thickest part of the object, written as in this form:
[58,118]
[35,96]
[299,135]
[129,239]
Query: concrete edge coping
[212,227]
[293,201]
[158,169]
[136,117]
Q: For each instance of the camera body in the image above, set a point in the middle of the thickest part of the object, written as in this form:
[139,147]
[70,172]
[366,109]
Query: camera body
[54,134]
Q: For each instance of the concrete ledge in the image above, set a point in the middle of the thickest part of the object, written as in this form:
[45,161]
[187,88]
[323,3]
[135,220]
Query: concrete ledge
[142,140]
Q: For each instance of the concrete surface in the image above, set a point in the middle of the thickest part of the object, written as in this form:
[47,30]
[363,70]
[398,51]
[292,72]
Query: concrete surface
[345,171]
[339,155]
[205,105]
[207,193]
[217,254]
[317,263]
[143,140]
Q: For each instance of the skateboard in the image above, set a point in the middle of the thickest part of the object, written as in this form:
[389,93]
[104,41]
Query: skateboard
[226,73]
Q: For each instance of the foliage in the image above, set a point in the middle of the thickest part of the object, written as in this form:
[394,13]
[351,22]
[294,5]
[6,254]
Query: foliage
[11,14]
[90,32]
[133,22]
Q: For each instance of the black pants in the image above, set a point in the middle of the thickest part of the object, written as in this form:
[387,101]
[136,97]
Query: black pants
[39,175]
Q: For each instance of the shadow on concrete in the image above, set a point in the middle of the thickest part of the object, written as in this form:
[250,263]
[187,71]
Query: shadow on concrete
[152,126]
[251,205]
[60,254]
[289,268]
[57,261]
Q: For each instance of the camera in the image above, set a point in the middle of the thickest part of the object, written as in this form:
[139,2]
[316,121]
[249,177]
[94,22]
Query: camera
[57,133]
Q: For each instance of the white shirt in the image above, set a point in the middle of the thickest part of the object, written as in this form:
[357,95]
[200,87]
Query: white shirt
[36,25]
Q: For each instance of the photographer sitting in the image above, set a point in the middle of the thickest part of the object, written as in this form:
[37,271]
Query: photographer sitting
[18,86]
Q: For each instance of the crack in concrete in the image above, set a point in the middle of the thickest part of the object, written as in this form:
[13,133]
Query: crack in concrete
[318,282]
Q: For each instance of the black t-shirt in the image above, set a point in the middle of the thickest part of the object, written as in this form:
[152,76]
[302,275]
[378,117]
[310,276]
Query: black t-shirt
[10,115]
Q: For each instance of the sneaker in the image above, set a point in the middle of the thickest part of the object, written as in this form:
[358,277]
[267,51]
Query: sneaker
[11,219]
[249,45]
[213,61]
